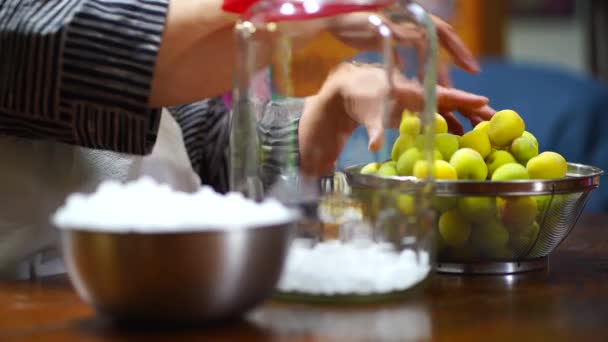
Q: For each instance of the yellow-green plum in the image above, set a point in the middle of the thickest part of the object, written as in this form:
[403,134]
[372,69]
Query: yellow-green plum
[548,202]
[410,125]
[504,127]
[497,159]
[542,201]
[441,126]
[510,171]
[531,137]
[402,143]
[387,169]
[405,163]
[437,155]
[521,240]
[517,212]
[370,168]
[524,149]
[478,209]
[407,160]
[441,170]
[469,164]
[477,140]
[420,142]
[454,228]
[547,165]
[444,203]
[482,126]
[446,144]
[407,204]
[490,238]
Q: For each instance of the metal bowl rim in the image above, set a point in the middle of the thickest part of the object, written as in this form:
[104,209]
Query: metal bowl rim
[574,182]
[295,215]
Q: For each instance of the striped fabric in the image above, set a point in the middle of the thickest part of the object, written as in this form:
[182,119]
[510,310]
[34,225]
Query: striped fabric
[205,127]
[79,72]
[205,130]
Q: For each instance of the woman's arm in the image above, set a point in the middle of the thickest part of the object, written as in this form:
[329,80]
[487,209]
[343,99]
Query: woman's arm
[83,72]
[205,129]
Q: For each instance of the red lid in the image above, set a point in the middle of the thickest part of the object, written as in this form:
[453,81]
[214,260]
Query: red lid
[300,11]
[237,6]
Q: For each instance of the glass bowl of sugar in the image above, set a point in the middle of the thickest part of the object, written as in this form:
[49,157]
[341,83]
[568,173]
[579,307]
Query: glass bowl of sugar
[355,248]
[141,251]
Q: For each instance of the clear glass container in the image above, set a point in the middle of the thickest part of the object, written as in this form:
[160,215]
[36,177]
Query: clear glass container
[350,245]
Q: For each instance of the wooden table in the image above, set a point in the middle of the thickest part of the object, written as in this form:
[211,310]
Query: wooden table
[567,302]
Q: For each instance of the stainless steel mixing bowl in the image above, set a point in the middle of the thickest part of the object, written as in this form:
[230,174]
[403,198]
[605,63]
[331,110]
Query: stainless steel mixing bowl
[175,276]
[558,203]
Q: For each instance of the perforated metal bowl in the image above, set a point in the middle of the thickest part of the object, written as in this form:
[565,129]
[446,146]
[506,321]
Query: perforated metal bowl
[537,215]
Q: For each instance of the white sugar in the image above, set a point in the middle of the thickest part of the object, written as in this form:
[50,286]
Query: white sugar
[147,206]
[356,267]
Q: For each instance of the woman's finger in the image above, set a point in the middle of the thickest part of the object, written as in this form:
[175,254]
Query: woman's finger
[454,125]
[443,75]
[449,99]
[375,132]
[478,114]
[409,95]
[450,41]
[485,113]
[475,120]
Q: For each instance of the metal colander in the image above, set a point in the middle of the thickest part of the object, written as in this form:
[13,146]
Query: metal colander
[537,215]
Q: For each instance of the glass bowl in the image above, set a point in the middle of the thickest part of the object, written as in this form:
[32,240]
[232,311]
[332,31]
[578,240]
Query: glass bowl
[343,252]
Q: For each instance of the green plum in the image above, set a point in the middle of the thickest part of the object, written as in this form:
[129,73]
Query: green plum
[510,171]
[478,209]
[407,204]
[370,168]
[498,158]
[547,165]
[441,126]
[482,126]
[524,149]
[387,169]
[444,203]
[410,125]
[454,228]
[446,144]
[469,164]
[490,238]
[504,127]
[517,212]
[477,140]
[523,239]
[441,170]
[530,136]
[407,160]
[402,143]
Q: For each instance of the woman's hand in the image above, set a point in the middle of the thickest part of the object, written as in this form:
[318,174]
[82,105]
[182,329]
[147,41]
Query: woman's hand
[408,34]
[357,94]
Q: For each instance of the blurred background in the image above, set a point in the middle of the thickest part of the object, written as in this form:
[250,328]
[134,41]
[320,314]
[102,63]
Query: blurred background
[562,33]
[546,59]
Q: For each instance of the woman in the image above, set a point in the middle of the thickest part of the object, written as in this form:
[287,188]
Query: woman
[83,84]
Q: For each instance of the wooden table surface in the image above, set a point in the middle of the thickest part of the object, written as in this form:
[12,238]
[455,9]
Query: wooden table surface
[568,302]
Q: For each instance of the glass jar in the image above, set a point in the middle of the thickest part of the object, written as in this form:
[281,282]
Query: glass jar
[354,244]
